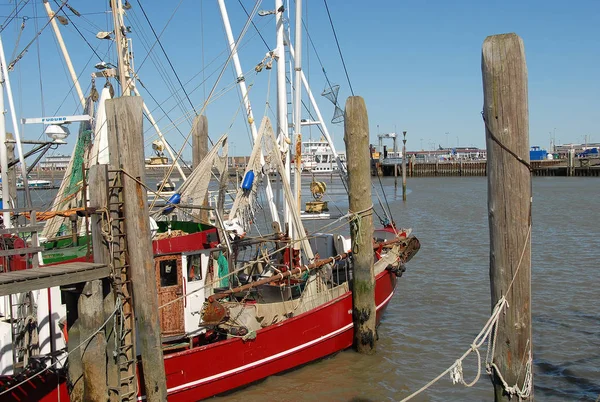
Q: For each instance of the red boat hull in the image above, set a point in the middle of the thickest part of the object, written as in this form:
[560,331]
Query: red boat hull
[209,370]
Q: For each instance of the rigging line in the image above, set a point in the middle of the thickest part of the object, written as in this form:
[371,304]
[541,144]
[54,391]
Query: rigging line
[11,65]
[11,17]
[202,46]
[338,46]
[78,79]
[19,38]
[146,41]
[79,32]
[202,84]
[388,213]
[214,87]
[167,57]
[159,66]
[161,33]
[39,65]
[254,25]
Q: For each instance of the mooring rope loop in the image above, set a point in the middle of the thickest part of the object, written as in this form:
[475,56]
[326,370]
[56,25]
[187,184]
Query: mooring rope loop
[489,334]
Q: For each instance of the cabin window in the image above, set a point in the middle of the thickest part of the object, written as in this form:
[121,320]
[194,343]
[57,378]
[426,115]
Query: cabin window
[194,267]
[168,272]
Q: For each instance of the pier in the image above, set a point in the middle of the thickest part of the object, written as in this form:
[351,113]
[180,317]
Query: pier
[583,167]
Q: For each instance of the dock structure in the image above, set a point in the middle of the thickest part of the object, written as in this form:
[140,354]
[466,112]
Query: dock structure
[582,167]
[50,276]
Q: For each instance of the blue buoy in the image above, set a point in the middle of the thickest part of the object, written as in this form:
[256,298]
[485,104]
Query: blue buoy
[248,180]
[173,200]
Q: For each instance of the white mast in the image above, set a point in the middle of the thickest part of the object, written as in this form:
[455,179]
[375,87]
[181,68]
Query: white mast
[15,126]
[321,122]
[122,48]
[282,122]
[64,52]
[298,103]
[4,159]
[246,100]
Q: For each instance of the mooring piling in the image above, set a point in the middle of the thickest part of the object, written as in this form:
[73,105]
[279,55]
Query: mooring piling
[506,119]
[356,137]
[126,133]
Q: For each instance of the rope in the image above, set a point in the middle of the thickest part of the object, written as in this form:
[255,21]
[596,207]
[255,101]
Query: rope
[490,327]
[504,147]
[68,354]
[356,226]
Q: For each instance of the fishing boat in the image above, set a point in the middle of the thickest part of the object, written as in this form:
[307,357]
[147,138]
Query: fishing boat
[318,157]
[35,183]
[234,307]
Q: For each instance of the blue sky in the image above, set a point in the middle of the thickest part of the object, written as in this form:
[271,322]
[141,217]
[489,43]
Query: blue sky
[416,63]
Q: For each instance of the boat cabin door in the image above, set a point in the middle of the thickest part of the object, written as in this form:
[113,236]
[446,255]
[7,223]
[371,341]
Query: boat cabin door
[169,281]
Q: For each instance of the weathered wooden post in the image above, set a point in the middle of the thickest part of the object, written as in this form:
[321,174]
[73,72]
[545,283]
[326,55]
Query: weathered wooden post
[199,151]
[509,204]
[126,135]
[404,166]
[91,301]
[356,137]
[199,139]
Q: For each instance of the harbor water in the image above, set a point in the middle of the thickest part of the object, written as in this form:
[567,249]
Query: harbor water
[443,300]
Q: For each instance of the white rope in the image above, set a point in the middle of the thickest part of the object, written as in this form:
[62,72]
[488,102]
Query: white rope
[455,370]
[68,354]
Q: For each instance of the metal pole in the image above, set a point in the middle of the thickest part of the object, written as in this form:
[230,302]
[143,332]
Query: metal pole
[121,43]
[298,103]
[282,122]
[319,116]
[4,160]
[15,127]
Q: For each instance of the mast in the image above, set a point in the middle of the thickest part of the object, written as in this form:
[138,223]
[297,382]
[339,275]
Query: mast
[122,47]
[11,103]
[4,160]
[282,122]
[298,104]
[321,122]
[246,100]
[65,53]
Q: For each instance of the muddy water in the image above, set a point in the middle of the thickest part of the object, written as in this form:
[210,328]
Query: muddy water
[443,300]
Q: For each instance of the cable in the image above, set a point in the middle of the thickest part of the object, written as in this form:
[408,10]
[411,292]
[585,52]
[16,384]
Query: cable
[12,17]
[78,31]
[338,46]
[167,57]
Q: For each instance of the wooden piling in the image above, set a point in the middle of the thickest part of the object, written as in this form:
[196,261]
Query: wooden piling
[356,137]
[199,151]
[126,131]
[96,374]
[404,166]
[75,366]
[199,139]
[509,203]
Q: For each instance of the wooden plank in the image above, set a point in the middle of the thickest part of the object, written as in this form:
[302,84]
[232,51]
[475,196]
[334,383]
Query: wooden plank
[22,229]
[356,137]
[42,278]
[21,251]
[509,205]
